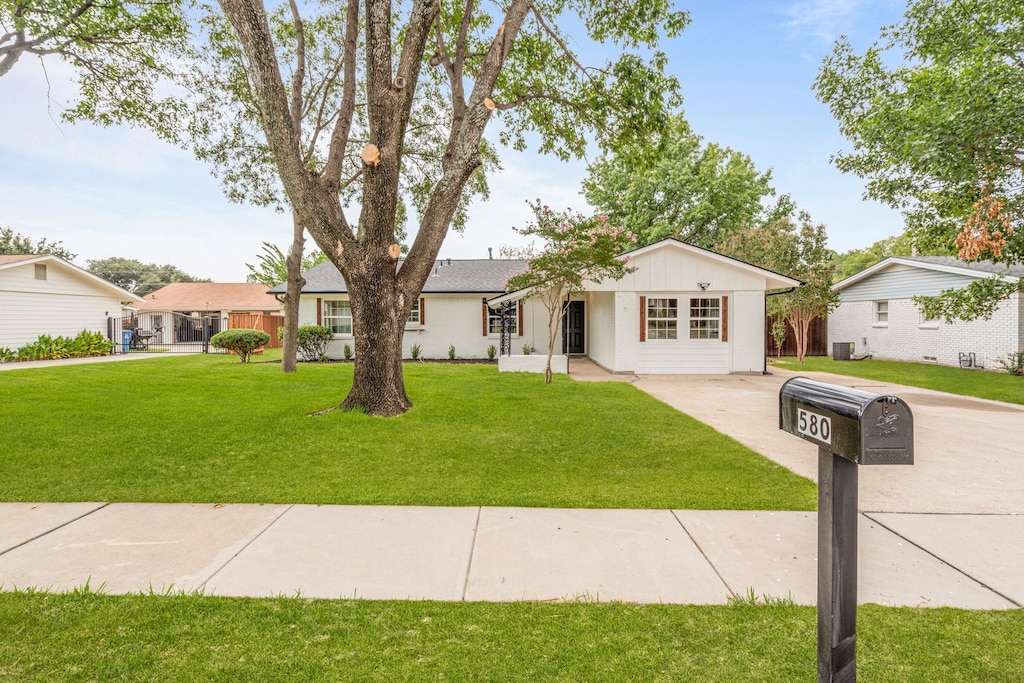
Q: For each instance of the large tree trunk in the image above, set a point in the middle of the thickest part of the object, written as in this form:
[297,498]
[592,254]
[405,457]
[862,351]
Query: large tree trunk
[293,264]
[378,321]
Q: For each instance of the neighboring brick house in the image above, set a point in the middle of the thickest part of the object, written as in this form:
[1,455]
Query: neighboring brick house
[877,314]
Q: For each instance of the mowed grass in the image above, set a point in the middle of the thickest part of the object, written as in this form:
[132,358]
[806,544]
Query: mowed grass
[995,386]
[208,429]
[89,637]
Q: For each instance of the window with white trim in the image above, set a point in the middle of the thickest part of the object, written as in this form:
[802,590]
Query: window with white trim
[881,312]
[705,317]
[338,316]
[494,320]
[662,318]
[414,315]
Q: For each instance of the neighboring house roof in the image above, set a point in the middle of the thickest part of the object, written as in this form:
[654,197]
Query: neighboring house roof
[196,296]
[14,260]
[773,280]
[944,264]
[449,276]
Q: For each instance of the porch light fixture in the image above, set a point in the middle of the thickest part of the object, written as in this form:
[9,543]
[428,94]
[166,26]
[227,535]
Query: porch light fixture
[703,286]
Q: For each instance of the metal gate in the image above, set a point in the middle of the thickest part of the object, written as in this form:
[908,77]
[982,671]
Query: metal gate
[162,332]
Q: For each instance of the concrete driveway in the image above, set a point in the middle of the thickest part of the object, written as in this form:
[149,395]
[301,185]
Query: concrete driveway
[968,457]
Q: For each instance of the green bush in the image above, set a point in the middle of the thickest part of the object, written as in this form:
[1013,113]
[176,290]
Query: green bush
[491,351]
[312,341]
[1014,363]
[54,348]
[415,351]
[451,352]
[240,341]
[348,352]
[7,355]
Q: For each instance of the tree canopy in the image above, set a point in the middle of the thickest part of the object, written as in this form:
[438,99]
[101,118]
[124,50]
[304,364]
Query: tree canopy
[12,242]
[271,268]
[795,247]
[855,260]
[138,277]
[935,114]
[679,186]
[116,47]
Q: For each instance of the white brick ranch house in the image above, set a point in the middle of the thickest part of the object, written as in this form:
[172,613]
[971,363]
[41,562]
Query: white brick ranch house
[684,310]
[876,312]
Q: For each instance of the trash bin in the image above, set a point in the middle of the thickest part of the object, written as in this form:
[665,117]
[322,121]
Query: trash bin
[126,340]
[842,350]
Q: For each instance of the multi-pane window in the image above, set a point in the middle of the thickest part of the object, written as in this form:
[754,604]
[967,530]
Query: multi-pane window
[414,314]
[495,321]
[705,317]
[662,318]
[882,312]
[338,316]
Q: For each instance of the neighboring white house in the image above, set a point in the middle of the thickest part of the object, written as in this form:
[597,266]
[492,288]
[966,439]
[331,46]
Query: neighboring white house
[43,294]
[877,314]
[683,310]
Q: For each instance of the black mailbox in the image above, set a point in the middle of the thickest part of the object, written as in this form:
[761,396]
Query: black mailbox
[866,428]
[851,428]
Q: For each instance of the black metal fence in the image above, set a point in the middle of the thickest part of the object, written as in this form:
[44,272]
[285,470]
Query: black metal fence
[151,332]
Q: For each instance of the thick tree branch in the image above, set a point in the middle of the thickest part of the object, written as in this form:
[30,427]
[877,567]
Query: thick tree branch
[343,124]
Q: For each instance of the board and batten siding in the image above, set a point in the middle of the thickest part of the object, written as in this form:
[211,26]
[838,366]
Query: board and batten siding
[903,282]
[601,339]
[61,305]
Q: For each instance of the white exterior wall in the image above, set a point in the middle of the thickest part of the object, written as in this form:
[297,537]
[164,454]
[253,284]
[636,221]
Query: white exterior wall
[746,332]
[599,336]
[906,337]
[61,305]
[450,319]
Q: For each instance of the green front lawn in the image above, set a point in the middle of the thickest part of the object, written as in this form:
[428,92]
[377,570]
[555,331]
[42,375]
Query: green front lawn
[996,386]
[88,637]
[208,429]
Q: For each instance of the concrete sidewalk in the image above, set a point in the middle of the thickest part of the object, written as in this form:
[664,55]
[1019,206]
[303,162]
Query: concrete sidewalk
[500,554]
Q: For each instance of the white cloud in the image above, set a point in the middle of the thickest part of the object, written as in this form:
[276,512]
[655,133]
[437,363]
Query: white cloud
[824,19]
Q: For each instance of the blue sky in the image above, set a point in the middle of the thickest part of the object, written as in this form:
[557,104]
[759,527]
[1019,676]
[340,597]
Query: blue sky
[746,70]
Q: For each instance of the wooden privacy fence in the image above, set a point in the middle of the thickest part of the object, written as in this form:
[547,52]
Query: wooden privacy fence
[267,322]
[817,342]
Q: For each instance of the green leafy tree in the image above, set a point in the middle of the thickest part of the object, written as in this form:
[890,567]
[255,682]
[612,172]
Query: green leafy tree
[138,277]
[423,68]
[693,191]
[852,262]
[12,242]
[574,249]
[272,269]
[935,115]
[113,46]
[796,248]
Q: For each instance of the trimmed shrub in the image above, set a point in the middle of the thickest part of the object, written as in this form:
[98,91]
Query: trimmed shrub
[312,341]
[240,341]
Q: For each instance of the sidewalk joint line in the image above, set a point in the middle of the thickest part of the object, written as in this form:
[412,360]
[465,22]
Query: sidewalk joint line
[703,554]
[941,559]
[218,570]
[472,549]
[50,531]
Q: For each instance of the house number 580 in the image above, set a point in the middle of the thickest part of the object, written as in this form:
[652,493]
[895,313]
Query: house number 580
[818,427]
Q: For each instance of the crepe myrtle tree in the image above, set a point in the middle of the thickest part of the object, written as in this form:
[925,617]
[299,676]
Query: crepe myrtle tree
[574,249]
[515,59]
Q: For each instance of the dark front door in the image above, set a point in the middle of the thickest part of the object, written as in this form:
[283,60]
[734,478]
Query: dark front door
[572,327]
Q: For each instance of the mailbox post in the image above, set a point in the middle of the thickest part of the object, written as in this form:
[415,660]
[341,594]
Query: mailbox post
[851,428]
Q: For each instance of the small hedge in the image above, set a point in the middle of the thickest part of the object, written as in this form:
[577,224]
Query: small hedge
[240,341]
[312,341]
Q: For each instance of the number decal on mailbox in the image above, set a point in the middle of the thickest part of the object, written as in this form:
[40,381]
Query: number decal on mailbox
[818,427]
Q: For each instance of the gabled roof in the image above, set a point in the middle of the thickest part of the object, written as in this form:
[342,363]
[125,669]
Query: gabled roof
[774,280]
[943,264]
[12,260]
[449,276]
[195,296]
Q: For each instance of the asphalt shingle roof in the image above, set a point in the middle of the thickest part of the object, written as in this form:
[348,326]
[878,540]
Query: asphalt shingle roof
[450,276]
[979,266]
